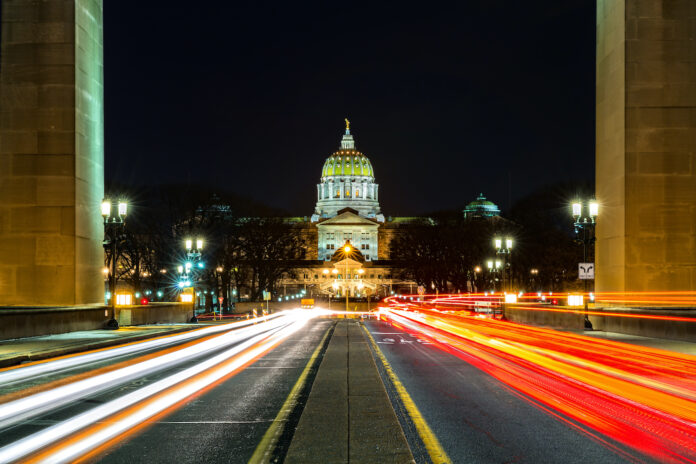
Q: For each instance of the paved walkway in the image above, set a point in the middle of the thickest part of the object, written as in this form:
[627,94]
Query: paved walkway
[21,350]
[348,416]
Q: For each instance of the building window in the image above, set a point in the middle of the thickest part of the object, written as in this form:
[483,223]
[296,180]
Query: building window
[357,193]
[316,276]
[347,236]
[306,276]
[372,276]
[329,246]
[379,276]
[367,257]
[364,246]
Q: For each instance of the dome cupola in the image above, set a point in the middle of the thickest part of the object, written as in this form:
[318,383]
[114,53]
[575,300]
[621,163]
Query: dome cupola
[347,181]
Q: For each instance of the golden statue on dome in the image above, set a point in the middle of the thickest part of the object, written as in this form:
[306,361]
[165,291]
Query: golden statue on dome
[347,124]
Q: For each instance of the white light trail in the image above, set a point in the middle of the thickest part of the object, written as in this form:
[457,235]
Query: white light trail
[39,403]
[20,373]
[33,443]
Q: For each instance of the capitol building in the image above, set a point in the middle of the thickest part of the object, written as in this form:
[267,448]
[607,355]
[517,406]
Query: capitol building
[348,236]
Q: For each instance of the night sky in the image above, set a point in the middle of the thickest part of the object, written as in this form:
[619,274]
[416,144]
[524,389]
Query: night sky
[493,97]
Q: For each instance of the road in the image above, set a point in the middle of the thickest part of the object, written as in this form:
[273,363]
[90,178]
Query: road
[495,391]
[223,422]
[475,417]
[478,390]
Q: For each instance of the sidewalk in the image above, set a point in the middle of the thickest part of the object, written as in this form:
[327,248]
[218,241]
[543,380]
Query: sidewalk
[21,350]
[348,416]
[678,346]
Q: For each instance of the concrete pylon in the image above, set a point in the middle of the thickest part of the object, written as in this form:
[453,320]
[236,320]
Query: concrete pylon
[646,145]
[51,152]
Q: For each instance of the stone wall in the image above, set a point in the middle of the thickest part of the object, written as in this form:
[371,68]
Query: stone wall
[51,152]
[31,322]
[646,145]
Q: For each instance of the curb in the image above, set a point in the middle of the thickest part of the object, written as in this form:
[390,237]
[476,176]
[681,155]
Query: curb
[46,354]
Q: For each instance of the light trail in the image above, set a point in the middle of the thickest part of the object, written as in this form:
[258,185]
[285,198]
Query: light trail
[84,433]
[26,371]
[33,405]
[644,398]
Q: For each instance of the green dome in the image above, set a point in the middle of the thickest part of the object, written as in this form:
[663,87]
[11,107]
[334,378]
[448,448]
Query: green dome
[347,163]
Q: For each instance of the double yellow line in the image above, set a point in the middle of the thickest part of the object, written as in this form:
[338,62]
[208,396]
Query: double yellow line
[432,444]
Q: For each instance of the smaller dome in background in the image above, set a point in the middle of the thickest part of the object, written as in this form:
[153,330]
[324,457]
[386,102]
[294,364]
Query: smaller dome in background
[481,208]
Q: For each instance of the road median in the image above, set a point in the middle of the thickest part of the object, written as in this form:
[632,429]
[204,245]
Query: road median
[348,416]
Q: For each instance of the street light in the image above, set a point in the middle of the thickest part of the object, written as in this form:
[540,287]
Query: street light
[113,234]
[504,249]
[584,226]
[493,267]
[193,255]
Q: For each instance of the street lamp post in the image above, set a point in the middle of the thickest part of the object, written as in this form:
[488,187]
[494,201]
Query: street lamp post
[585,219]
[193,256]
[504,249]
[113,233]
[493,267]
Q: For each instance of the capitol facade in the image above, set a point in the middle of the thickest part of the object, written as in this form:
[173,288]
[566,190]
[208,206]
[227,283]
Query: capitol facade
[348,237]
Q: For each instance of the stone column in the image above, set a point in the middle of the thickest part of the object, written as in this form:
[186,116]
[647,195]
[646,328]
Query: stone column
[51,152]
[646,145]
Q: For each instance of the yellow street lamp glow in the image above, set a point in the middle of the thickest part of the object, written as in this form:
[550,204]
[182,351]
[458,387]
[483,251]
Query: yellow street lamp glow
[180,269]
[219,269]
[199,243]
[335,271]
[490,264]
[325,271]
[106,208]
[594,208]
[577,209]
[105,270]
[361,271]
[347,249]
[497,264]
[508,243]
[122,208]
[477,269]
[188,243]
[498,243]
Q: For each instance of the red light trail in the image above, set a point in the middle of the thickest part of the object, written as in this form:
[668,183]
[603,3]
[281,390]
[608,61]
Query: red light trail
[644,398]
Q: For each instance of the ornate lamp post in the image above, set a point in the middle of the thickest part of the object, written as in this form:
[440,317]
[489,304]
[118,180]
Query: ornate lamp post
[193,260]
[113,234]
[585,219]
[493,267]
[504,250]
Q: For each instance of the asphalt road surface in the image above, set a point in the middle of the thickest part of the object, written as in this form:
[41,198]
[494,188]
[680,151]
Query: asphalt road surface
[224,424]
[478,419]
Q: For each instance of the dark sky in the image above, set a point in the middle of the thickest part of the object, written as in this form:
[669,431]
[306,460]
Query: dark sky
[446,101]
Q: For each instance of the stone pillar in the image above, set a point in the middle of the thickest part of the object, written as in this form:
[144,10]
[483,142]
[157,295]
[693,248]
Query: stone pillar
[51,152]
[364,190]
[646,145]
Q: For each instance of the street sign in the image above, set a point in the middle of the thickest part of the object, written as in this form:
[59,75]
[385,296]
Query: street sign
[266,295]
[421,290]
[220,299]
[586,271]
